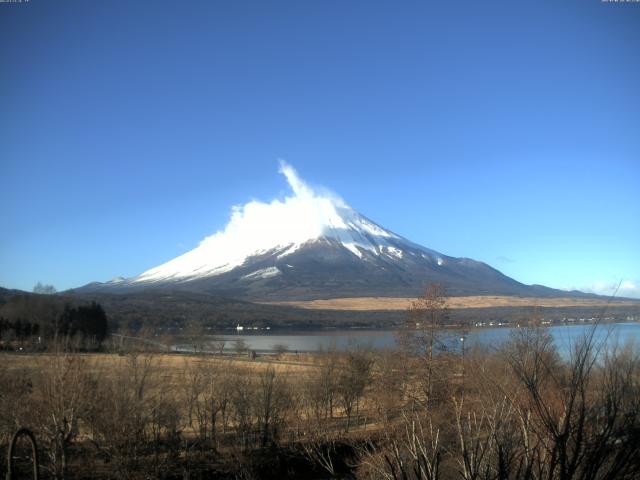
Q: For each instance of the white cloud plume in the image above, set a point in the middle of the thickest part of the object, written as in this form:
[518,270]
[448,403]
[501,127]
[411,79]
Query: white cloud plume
[299,187]
[259,226]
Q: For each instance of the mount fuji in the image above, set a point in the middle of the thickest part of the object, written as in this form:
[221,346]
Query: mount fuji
[312,245]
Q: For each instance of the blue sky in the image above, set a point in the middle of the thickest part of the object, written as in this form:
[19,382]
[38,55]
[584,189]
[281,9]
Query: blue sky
[508,132]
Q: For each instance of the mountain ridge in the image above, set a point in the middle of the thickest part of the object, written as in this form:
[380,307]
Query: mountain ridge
[312,246]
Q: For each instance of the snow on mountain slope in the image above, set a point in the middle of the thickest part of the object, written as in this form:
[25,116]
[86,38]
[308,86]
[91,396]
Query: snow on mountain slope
[313,245]
[282,227]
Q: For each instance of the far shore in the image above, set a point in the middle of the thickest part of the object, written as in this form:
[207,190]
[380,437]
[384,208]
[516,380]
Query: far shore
[402,303]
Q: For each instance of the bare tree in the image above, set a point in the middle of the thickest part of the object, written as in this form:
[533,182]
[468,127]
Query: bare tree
[218,345]
[320,386]
[164,430]
[241,402]
[423,335]
[272,401]
[121,431]
[320,448]
[240,346]
[211,383]
[412,451]
[390,383]
[477,435]
[192,387]
[61,399]
[353,377]
[582,419]
[280,349]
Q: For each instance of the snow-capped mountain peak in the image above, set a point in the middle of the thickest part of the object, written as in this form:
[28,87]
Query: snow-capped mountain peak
[282,227]
[311,244]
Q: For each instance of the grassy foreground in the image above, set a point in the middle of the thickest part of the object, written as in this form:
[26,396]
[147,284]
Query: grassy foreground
[519,413]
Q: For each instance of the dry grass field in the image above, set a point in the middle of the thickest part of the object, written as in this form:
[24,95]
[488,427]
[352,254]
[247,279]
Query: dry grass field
[169,366]
[402,303]
[355,414]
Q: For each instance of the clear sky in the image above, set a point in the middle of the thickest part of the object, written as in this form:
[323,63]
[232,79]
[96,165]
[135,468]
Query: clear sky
[508,132]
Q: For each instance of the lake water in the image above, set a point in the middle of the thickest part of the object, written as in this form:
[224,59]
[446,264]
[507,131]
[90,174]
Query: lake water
[564,337]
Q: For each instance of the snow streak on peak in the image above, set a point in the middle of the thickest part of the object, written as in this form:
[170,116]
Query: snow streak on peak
[281,227]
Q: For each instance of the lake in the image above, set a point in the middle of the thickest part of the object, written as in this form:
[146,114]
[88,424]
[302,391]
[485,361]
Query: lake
[263,342]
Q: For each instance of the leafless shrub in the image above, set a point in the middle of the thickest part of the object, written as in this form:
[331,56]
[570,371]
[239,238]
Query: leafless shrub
[218,344]
[241,402]
[61,399]
[320,448]
[214,398]
[280,348]
[410,452]
[389,384]
[354,376]
[272,403]
[487,442]
[240,346]
[320,386]
[124,428]
[580,419]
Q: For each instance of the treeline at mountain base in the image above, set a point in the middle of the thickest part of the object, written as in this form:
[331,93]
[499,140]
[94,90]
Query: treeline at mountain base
[519,412]
[33,322]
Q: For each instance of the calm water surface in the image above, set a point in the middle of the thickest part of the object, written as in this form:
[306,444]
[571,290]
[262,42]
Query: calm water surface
[564,337]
